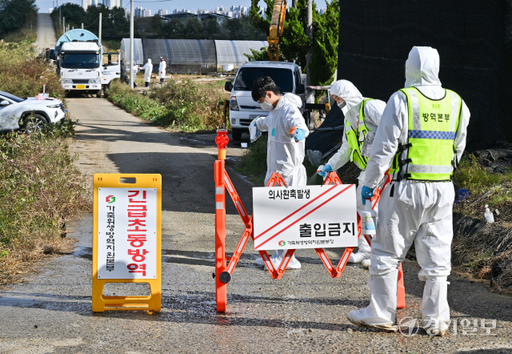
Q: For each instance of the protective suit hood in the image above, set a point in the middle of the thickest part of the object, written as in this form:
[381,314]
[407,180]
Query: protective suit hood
[149,61]
[290,98]
[346,90]
[422,67]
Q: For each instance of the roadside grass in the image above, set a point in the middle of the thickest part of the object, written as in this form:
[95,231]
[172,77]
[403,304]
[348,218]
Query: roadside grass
[182,105]
[40,189]
[492,187]
[253,164]
[39,186]
[24,72]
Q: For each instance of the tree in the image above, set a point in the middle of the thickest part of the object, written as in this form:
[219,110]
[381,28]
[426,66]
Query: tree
[73,13]
[14,14]
[294,43]
[194,29]
[174,29]
[243,29]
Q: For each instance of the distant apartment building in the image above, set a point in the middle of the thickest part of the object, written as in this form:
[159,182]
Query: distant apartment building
[108,3]
[141,12]
[87,3]
[222,12]
[162,12]
[113,3]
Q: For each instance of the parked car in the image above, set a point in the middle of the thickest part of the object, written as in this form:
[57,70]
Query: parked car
[29,114]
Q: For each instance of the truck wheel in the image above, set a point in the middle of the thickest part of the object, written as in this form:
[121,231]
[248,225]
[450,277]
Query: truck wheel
[99,94]
[236,134]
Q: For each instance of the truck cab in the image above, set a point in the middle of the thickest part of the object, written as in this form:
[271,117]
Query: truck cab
[242,108]
[79,57]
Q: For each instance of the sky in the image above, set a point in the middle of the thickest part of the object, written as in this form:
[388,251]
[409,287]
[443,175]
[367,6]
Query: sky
[155,5]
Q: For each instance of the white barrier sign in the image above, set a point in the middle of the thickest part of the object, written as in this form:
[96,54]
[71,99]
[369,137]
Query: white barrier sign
[127,233]
[305,217]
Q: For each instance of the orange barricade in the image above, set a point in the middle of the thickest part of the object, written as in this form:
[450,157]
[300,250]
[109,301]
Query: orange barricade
[224,265]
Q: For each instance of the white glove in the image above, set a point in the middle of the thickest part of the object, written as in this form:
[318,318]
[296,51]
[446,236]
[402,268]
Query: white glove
[254,132]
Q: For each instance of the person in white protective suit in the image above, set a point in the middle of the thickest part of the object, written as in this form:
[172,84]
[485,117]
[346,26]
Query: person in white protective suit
[161,70]
[148,68]
[422,135]
[287,133]
[362,117]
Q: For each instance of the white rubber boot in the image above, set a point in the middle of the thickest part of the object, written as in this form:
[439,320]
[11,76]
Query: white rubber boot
[435,309]
[364,252]
[381,313]
[259,261]
[278,256]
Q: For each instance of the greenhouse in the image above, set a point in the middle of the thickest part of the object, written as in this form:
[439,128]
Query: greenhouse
[193,56]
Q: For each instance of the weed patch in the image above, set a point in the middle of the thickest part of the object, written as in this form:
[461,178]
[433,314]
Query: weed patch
[24,73]
[39,189]
[253,164]
[184,106]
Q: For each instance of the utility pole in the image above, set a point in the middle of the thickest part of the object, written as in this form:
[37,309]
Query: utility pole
[60,17]
[99,32]
[63,25]
[309,33]
[82,25]
[132,32]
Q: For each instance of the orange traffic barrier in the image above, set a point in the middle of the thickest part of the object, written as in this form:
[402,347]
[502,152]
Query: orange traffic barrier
[400,294]
[224,265]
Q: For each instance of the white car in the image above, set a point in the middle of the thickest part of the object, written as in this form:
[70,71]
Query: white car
[29,114]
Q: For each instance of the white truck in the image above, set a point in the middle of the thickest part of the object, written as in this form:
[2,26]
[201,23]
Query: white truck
[79,56]
[243,109]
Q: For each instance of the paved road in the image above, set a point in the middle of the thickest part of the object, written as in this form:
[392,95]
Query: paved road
[304,312]
[45,32]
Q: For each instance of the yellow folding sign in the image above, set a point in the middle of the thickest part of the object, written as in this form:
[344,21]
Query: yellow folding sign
[127,239]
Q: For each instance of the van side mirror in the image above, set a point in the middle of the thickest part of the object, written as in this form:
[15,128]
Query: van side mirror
[301,88]
[5,103]
[228,86]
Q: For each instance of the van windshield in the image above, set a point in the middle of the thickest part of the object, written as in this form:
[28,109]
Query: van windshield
[246,76]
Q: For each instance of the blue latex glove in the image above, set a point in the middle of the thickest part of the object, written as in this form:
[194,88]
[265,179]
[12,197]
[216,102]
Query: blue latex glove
[325,170]
[298,135]
[366,193]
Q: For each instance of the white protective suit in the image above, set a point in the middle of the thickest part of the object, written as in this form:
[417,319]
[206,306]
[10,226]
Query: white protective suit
[161,69]
[284,154]
[411,211]
[148,68]
[372,112]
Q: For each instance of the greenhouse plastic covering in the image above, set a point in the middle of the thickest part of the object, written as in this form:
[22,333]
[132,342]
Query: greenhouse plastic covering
[233,52]
[181,51]
[137,49]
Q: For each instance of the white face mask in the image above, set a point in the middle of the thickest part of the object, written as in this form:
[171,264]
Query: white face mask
[266,106]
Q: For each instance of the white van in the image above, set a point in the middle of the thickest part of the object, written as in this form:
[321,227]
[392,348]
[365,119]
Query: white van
[242,108]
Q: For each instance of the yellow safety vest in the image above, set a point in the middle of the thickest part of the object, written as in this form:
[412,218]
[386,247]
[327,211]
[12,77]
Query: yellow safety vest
[428,154]
[355,138]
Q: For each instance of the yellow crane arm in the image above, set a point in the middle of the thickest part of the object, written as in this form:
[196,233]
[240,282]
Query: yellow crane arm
[276,29]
